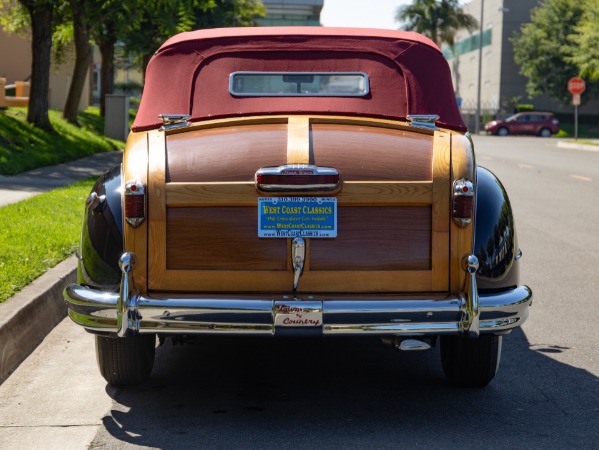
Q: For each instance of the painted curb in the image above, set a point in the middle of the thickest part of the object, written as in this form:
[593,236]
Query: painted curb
[27,317]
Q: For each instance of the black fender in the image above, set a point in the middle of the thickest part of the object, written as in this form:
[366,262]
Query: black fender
[102,243]
[495,238]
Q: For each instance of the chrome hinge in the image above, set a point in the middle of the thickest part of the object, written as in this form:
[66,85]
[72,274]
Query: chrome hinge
[423,121]
[172,121]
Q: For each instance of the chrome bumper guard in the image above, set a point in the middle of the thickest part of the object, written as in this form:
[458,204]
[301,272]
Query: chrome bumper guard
[469,313]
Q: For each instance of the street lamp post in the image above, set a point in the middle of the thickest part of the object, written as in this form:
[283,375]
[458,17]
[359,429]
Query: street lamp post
[480,67]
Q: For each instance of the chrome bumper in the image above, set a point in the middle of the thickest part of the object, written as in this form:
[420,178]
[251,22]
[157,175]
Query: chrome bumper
[97,311]
[467,313]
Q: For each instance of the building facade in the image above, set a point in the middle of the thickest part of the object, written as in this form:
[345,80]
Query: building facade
[292,13]
[500,81]
[15,65]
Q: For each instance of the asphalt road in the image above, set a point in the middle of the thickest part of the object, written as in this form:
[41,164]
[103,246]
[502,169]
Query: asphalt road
[350,393]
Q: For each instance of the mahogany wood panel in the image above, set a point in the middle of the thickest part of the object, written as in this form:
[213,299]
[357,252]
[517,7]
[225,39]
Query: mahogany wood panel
[311,282]
[224,238]
[376,239]
[362,153]
[226,153]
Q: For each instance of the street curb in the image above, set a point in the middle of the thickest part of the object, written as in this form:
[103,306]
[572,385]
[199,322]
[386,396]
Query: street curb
[576,146]
[28,316]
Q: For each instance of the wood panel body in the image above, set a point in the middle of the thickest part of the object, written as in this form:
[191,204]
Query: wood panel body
[363,153]
[231,154]
[441,210]
[463,165]
[135,167]
[394,227]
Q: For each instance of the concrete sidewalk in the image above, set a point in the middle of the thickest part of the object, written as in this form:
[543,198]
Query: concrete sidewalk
[27,184]
[28,316]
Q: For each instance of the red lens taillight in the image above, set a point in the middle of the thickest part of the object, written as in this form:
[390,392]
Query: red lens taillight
[463,201]
[135,203]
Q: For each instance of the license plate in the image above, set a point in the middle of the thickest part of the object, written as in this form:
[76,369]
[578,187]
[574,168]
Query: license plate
[289,217]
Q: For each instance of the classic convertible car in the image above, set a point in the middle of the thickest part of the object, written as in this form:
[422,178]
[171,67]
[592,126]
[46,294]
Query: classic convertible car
[299,182]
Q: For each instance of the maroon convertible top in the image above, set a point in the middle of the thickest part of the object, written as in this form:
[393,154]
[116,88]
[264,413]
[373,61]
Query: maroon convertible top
[189,74]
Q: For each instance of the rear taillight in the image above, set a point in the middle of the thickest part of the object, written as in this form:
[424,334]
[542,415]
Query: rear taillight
[135,203]
[463,201]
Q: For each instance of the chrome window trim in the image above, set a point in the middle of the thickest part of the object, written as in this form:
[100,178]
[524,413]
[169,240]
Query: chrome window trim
[364,93]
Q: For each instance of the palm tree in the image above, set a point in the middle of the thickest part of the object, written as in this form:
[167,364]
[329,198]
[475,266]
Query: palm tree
[437,19]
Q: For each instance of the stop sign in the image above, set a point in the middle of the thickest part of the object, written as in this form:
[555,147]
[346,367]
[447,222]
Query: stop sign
[576,85]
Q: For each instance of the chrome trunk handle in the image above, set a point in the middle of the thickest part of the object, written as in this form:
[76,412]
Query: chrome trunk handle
[298,257]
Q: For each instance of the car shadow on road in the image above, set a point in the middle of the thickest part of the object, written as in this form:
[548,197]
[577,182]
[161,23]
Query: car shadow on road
[349,393]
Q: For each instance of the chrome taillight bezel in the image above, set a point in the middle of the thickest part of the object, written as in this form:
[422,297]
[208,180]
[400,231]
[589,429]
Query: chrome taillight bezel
[462,208]
[134,203]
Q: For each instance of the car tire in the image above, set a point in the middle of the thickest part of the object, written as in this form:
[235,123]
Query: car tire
[503,131]
[470,362]
[126,361]
[545,132]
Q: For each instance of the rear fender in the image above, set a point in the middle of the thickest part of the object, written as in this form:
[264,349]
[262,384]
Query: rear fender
[495,238]
[101,243]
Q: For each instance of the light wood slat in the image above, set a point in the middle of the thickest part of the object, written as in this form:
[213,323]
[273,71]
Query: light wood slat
[298,140]
[157,210]
[441,212]
[355,193]
[135,165]
[312,282]
[462,238]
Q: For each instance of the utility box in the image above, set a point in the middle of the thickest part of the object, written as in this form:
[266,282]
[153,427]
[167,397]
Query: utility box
[116,119]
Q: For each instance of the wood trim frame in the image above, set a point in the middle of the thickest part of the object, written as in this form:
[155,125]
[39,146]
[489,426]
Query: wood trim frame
[356,194]
[441,212]
[463,165]
[135,167]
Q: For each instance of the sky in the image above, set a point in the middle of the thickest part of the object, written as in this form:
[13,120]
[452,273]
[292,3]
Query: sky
[361,13]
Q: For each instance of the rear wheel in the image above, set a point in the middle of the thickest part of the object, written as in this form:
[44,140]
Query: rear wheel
[545,132]
[503,131]
[470,362]
[127,360]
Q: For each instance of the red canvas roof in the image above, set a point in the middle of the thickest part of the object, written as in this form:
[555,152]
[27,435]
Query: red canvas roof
[189,74]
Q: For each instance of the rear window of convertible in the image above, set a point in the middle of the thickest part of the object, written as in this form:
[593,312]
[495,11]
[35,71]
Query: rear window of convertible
[299,84]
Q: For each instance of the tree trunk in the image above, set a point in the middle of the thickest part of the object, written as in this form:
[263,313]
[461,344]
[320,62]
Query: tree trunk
[41,46]
[107,74]
[83,59]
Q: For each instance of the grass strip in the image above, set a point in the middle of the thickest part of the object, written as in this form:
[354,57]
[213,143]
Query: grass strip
[38,233]
[24,147]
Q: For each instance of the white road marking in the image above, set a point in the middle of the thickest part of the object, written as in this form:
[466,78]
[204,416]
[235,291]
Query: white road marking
[581,178]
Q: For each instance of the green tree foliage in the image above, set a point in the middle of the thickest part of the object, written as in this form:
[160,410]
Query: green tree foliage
[543,50]
[585,42]
[41,15]
[439,20]
[154,21]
